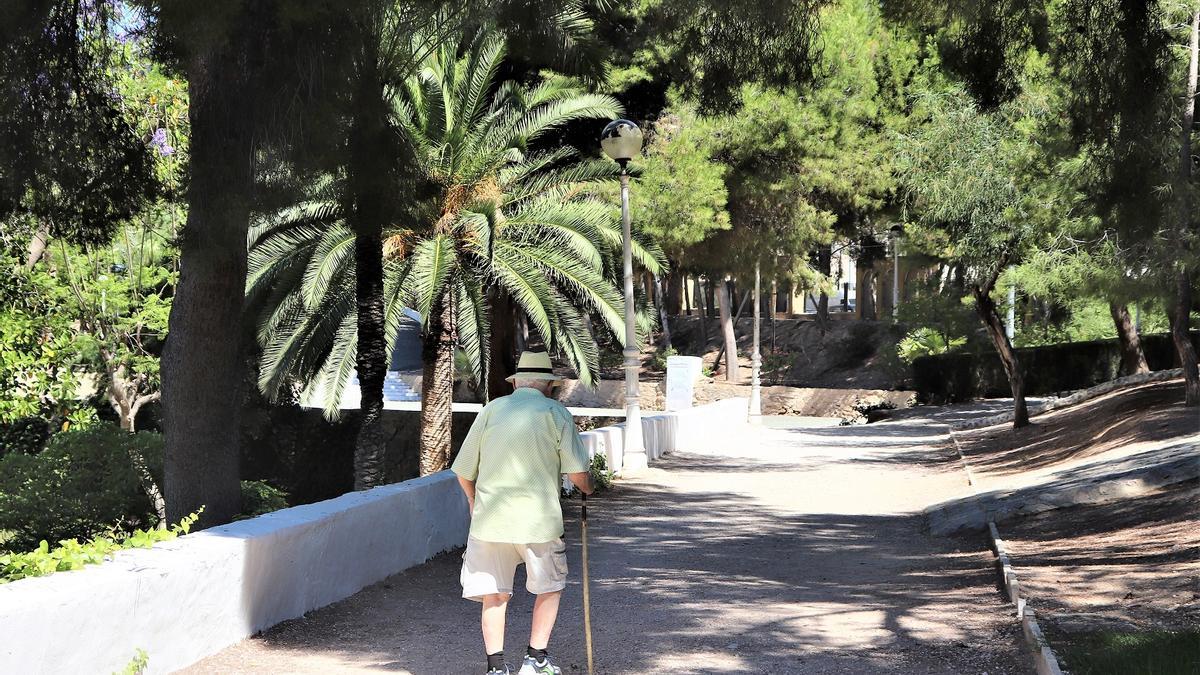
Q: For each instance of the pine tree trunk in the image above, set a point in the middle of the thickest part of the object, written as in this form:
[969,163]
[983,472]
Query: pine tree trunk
[202,360]
[731,369]
[1183,342]
[502,350]
[701,307]
[437,389]
[824,266]
[866,295]
[674,283]
[1133,359]
[986,308]
[1182,308]
[662,313]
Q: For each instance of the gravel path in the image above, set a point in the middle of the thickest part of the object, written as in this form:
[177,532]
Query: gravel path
[791,551]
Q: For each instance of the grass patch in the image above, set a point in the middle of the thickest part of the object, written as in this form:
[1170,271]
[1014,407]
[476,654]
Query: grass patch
[1148,653]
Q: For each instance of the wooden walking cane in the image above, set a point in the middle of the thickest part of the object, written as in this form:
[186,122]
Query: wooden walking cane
[587,600]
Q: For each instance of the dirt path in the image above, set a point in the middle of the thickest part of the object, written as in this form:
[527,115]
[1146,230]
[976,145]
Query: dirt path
[800,551]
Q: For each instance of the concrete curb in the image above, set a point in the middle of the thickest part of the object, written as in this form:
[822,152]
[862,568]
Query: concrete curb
[1073,398]
[1044,659]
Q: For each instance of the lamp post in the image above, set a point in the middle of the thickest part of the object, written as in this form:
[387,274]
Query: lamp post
[621,140]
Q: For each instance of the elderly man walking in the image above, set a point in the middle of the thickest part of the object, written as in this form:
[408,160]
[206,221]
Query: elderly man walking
[510,468]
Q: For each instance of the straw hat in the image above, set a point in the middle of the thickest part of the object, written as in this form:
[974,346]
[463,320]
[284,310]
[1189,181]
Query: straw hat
[534,366]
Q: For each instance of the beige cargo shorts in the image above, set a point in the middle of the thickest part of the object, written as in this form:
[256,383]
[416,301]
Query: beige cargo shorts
[489,567]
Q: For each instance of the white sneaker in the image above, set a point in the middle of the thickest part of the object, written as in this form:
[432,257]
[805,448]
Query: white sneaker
[532,667]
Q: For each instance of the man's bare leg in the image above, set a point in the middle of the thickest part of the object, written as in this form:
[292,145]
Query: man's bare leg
[545,612]
[494,608]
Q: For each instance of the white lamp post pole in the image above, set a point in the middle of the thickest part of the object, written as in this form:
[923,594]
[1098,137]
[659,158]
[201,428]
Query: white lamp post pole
[756,358]
[634,452]
[622,140]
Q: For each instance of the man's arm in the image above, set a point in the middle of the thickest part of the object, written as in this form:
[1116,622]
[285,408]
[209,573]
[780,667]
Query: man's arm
[581,480]
[468,488]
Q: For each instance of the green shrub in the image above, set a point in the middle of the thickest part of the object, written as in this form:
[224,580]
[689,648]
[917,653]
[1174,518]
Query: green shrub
[659,362]
[137,665]
[602,477]
[925,342]
[82,484]
[27,435]
[259,497]
[69,554]
[1145,653]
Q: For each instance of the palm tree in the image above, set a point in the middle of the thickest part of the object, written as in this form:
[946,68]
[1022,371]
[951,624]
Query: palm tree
[505,218]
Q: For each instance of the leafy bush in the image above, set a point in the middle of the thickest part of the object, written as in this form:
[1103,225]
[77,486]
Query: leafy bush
[602,477]
[26,435]
[72,555]
[659,362]
[925,342]
[259,497]
[82,484]
[137,665]
[776,365]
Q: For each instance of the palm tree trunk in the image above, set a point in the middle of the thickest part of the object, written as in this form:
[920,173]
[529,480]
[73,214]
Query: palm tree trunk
[437,388]
[370,182]
[1133,359]
[202,360]
[986,308]
[371,360]
[503,343]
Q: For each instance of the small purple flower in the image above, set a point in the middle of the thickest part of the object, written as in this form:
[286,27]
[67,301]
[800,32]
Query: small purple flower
[159,142]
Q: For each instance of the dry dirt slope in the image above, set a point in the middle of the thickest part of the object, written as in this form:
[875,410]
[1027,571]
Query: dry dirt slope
[1127,557]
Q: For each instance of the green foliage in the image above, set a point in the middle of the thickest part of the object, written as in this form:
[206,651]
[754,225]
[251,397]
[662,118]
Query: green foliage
[137,665]
[260,497]
[602,476]
[1144,653]
[776,365]
[679,197]
[925,342]
[508,214]
[72,161]
[659,361]
[38,354]
[70,554]
[26,435]
[83,483]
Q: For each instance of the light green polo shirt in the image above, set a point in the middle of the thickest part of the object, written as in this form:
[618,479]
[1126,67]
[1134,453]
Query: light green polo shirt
[516,452]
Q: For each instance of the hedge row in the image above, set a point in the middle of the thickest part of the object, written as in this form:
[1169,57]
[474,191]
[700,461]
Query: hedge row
[1051,369]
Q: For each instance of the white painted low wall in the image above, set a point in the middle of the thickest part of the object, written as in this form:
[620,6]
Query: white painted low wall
[188,598]
[185,599]
[699,428]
